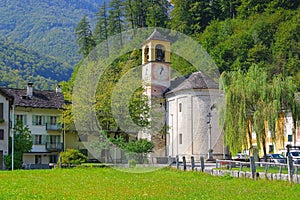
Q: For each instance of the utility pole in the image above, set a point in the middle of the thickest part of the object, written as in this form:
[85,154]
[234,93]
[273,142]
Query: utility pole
[209,154]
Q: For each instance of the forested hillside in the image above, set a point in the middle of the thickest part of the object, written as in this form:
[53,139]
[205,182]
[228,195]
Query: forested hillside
[237,34]
[45,26]
[18,65]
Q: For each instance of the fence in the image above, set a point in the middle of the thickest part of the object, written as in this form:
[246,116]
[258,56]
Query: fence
[223,167]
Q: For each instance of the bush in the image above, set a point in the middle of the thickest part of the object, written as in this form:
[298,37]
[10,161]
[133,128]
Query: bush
[17,161]
[132,163]
[138,150]
[72,156]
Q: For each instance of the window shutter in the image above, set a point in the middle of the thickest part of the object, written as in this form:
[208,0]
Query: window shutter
[15,119]
[33,120]
[43,120]
[58,139]
[44,139]
[48,120]
[24,119]
[47,138]
[1,111]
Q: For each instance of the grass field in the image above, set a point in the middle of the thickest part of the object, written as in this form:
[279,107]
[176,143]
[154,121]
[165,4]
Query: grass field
[106,183]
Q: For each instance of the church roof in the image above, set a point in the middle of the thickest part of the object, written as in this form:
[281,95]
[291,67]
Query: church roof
[156,36]
[40,98]
[197,80]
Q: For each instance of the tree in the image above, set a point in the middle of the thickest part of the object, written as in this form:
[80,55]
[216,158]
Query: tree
[101,29]
[181,18]
[85,38]
[253,99]
[22,143]
[136,13]
[139,149]
[115,19]
[158,13]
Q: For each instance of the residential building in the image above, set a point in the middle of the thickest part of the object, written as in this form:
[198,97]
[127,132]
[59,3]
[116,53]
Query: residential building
[5,105]
[40,111]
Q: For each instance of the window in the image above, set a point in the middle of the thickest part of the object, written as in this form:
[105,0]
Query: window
[271,148]
[180,138]
[290,138]
[53,139]
[38,120]
[53,159]
[21,119]
[1,112]
[146,54]
[38,139]
[159,53]
[1,134]
[53,120]
[38,159]
[180,107]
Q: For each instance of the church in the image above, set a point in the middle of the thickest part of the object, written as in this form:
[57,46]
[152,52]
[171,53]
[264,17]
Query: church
[190,105]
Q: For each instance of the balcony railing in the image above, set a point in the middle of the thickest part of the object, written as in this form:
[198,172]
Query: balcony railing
[53,127]
[56,146]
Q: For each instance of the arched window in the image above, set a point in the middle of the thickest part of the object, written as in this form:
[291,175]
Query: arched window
[159,53]
[146,54]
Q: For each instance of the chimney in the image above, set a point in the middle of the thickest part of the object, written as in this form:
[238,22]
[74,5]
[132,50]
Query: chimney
[30,89]
[58,89]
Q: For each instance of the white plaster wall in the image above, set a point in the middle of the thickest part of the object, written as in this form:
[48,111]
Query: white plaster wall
[38,129]
[5,125]
[192,123]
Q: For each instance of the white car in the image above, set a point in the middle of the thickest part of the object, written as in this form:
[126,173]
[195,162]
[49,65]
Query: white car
[240,156]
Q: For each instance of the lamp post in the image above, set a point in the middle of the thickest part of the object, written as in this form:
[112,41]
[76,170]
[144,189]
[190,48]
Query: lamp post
[210,156]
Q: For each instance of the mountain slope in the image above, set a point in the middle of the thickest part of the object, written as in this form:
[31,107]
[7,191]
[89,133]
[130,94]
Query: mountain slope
[46,26]
[18,65]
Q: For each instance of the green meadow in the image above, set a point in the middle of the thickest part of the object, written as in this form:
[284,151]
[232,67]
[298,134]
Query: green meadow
[109,183]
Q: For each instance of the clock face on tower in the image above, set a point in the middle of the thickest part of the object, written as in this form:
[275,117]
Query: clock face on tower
[161,72]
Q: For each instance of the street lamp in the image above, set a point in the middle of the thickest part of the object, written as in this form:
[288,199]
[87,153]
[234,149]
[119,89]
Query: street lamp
[210,156]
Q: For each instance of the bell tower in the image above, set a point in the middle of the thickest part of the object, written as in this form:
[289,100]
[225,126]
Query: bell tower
[156,64]
[156,79]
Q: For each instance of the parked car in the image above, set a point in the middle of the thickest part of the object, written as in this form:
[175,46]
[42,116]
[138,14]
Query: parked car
[295,156]
[241,157]
[275,158]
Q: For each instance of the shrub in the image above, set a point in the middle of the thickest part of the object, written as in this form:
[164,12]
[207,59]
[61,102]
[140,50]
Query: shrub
[132,163]
[72,156]
[139,149]
[17,161]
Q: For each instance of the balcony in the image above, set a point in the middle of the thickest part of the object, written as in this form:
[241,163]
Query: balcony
[53,127]
[56,146]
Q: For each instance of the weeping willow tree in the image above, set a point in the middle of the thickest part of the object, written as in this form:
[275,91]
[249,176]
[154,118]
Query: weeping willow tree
[254,104]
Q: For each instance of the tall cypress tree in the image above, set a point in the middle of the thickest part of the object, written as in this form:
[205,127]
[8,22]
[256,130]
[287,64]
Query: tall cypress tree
[84,37]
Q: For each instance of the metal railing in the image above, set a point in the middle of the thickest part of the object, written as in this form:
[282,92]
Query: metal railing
[56,146]
[53,127]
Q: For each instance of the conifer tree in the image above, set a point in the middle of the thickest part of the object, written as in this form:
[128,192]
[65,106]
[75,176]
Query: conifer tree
[101,29]
[115,18]
[85,38]
[157,13]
